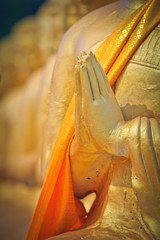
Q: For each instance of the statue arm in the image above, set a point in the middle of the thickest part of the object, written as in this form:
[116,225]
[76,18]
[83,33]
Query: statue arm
[84,34]
[100,128]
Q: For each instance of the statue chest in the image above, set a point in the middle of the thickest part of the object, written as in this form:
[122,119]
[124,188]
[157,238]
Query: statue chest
[138,87]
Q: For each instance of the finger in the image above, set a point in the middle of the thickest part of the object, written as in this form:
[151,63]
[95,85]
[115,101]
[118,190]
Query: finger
[155,129]
[83,53]
[79,60]
[99,76]
[105,79]
[78,97]
[138,169]
[85,83]
[93,79]
[78,91]
[148,152]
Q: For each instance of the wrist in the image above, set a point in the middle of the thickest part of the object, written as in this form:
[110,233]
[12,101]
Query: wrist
[119,139]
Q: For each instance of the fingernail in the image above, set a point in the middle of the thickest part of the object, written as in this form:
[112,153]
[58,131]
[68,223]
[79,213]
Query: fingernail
[77,67]
[83,53]
[91,54]
[84,69]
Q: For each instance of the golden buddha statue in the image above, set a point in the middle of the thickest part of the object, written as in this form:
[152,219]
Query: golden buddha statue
[114,150]
[117,136]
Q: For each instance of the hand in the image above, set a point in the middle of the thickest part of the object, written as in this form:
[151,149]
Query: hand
[97,116]
[145,158]
[97,111]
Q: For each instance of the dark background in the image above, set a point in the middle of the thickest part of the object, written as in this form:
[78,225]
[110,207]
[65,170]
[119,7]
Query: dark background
[13,10]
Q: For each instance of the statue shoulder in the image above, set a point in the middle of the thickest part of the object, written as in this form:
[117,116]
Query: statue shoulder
[90,29]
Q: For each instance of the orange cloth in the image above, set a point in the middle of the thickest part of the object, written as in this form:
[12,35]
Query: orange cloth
[58,210]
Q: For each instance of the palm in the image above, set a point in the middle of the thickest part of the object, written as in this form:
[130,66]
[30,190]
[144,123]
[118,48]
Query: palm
[97,111]
[97,114]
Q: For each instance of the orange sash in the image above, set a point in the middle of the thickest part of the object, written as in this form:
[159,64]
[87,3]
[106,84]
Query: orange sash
[58,210]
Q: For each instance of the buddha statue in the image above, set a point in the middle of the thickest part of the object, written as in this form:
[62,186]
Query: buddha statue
[116,144]
[113,151]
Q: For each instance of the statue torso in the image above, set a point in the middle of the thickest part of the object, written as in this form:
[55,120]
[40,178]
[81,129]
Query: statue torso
[137,91]
[138,88]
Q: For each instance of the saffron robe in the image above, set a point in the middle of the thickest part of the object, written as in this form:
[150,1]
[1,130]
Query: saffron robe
[58,210]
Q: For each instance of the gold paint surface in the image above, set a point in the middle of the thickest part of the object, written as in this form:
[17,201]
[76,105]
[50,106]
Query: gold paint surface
[132,206]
